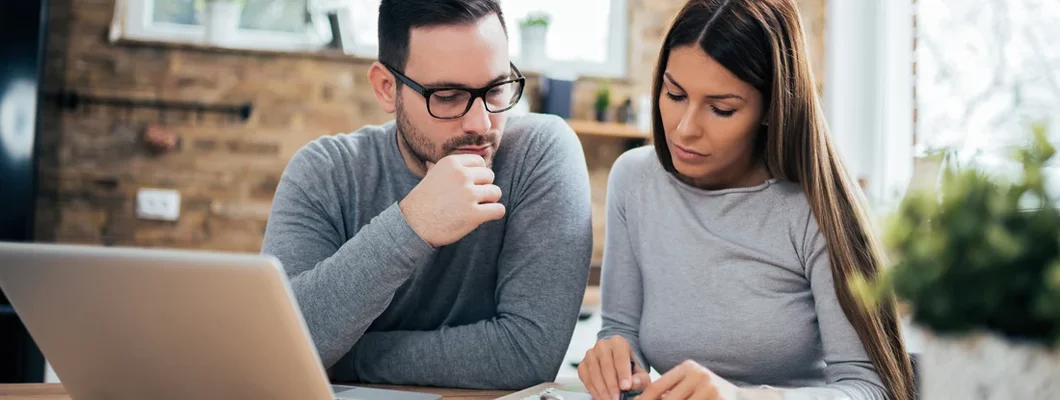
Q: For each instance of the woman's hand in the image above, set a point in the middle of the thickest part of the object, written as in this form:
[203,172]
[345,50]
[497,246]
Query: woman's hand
[606,369]
[692,381]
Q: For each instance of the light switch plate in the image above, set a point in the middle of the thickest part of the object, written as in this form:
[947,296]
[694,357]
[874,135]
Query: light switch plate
[158,204]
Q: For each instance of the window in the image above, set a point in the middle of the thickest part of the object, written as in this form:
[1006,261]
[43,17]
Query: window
[868,95]
[586,37]
[263,24]
[980,73]
[986,70]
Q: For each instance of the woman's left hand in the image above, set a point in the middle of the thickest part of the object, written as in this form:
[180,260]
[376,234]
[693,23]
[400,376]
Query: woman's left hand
[694,382]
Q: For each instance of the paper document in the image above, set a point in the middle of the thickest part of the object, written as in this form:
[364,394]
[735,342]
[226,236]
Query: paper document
[550,391]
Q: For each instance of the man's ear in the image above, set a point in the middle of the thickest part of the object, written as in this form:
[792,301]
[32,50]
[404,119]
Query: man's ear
[384,87]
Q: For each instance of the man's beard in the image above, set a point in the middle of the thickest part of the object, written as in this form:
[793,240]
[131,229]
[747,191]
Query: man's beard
[424,150]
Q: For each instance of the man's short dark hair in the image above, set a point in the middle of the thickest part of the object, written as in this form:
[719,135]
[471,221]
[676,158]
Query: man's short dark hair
[397,18]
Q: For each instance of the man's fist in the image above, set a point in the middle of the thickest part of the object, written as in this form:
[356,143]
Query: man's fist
[455,197]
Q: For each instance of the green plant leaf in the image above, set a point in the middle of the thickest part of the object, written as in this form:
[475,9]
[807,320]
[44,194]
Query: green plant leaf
[979,252]
[536,18]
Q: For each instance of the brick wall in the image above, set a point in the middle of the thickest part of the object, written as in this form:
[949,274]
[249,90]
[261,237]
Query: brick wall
[94,160]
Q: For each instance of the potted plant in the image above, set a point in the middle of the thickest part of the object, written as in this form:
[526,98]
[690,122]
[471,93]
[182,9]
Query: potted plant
[603,101]
[220,19]
[977,262]
[927,167]
[533,31]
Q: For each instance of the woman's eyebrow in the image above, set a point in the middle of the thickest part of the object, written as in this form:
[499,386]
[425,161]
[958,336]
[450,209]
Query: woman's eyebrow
[710,96]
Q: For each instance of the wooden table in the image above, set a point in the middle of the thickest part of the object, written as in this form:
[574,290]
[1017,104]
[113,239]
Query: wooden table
[54,391]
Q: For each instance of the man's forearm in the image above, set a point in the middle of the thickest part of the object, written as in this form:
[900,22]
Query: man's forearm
[501,353]
[342,295]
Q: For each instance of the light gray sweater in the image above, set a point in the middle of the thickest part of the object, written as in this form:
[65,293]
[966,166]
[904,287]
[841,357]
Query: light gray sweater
[494,310]
[737,280]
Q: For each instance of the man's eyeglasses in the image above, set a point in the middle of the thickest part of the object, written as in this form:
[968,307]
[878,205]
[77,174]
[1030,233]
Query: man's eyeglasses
[452,102]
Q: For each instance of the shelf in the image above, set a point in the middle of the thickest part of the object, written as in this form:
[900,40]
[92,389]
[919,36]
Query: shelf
[320,54]
[594,272]
[591,297]
[608,129]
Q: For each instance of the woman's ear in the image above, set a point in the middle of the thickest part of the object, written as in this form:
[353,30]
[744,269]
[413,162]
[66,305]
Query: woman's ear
[384,87]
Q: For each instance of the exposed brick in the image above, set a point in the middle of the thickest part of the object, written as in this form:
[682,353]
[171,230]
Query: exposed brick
[188,232]
[248,147]
[253,211]
[264,187]
[205,144]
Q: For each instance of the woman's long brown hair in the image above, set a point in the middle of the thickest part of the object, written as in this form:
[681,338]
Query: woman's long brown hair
[762,42]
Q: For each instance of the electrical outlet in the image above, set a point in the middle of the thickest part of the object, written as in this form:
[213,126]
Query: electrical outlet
[158,204]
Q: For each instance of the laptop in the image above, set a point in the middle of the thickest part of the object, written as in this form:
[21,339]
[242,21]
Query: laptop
[128,323]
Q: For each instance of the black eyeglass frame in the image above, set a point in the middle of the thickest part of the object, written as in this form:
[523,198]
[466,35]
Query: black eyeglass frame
[475,93]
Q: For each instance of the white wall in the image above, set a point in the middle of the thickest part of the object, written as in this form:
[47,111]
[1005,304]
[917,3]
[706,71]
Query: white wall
[849,83]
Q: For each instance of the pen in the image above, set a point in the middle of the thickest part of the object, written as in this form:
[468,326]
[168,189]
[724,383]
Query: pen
[632,393]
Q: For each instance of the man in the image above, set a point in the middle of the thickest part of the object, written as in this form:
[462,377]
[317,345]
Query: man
[449,247]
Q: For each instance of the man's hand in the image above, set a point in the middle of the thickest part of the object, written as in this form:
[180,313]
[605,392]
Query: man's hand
[455,197]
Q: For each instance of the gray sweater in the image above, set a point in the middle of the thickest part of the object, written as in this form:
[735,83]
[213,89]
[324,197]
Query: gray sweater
[494,310]
[737,280]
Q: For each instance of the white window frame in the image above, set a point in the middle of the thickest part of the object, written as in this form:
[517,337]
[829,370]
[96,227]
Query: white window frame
[139,25]
[869,94]
[616,66]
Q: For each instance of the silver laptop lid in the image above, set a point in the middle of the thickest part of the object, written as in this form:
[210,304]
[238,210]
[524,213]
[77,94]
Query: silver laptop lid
[121,323]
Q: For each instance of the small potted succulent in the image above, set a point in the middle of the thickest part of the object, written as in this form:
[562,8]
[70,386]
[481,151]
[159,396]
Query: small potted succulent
[221,19]
[602,102]
[977,262]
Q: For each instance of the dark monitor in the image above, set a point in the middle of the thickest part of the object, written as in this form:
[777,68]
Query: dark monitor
[23,29]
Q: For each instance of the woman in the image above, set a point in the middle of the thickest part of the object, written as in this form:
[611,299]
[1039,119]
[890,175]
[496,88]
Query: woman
[729,245]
